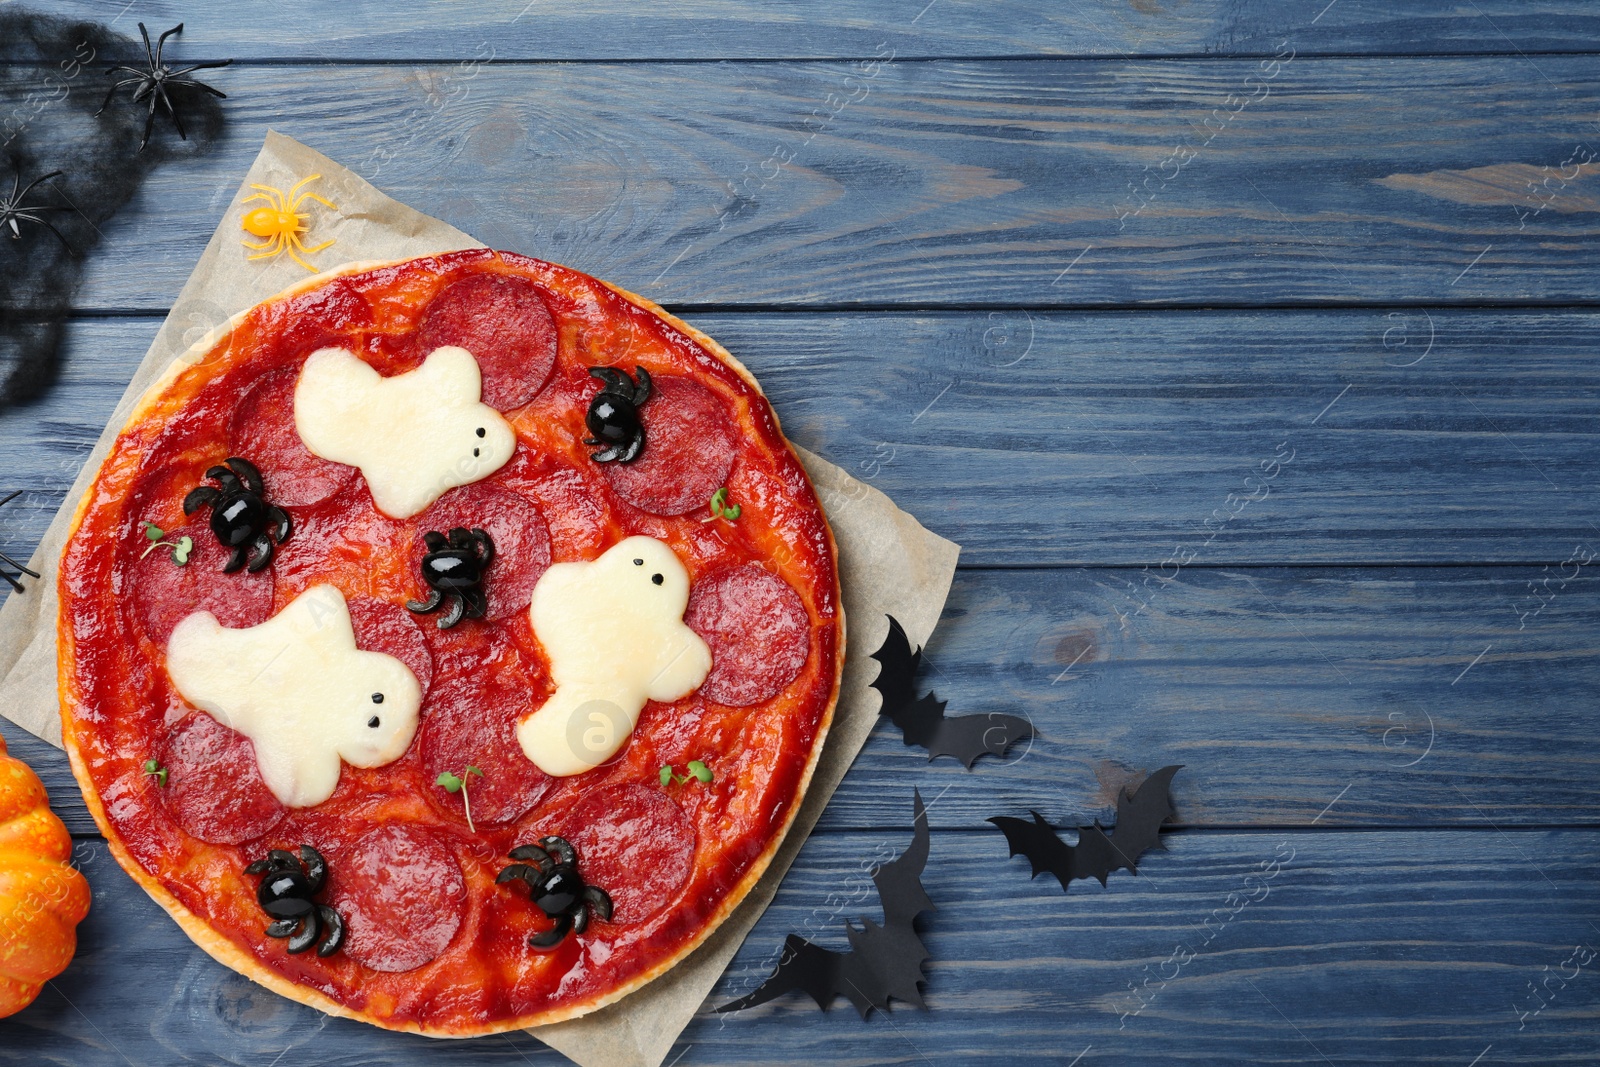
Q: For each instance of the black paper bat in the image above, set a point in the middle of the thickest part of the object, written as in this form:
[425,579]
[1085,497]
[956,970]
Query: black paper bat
[1137,830]
[922,719]
[883,961]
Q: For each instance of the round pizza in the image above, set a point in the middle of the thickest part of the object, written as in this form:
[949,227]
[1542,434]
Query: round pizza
[448,644]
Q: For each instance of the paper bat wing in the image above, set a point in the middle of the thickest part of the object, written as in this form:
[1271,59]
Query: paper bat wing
[922,720]
[1094,856]
[899,881]
[884,962]
[1141,813]
[803,966]
[1037,840]
[966,737]
[917,717]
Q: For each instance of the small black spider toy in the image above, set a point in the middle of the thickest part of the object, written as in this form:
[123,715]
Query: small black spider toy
[13,579]
[557,888]
[153,83]
[453,569]
[15,208]
[286,893]
[613,416]
[240,515]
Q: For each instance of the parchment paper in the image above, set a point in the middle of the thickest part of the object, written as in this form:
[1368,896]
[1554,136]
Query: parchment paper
[888,565]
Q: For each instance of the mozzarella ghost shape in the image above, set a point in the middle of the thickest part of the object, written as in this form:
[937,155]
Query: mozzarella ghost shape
[414,435]
[299,688]
[614,632]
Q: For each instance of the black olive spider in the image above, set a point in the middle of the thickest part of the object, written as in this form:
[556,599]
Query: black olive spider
[286,893]
[551,875]
[613,416]
[15,208]
[454,570]
[153,82]
[241,517]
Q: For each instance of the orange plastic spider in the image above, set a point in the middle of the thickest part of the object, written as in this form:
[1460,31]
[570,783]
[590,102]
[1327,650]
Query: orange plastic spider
[281,223]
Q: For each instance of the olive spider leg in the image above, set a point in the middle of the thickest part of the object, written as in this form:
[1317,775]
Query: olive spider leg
[263,553]
[248,473]
[308,933]
[599,900]
[435,598]
[553,936]
[559,847]
[199,495]
[316,867]
[484,543]
[457,610]
[534,855]
[284,523]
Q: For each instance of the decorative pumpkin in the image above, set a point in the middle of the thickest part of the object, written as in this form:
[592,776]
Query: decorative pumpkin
[42,899]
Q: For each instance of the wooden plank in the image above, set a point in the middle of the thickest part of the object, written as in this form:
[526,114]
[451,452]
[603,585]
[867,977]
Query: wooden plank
[728,29]
[1115,439]
[1242,948]
[978,183]
[1293,697]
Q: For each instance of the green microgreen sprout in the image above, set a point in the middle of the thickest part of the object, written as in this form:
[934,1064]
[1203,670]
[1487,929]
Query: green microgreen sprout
[457,783]
[720,508]
[180,548]
[154,769]
[697,770]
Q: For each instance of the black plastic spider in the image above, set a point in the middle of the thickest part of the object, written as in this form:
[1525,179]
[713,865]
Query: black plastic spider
[453,568]
[15,208]
[613,416]
[154,82]
[9,562]
[286,894]
[240,515]
[557,888]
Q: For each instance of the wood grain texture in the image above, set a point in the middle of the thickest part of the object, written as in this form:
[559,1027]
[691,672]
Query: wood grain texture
[1245,948]
[1280,690]
[977,183]
[821,29]
[1411,436]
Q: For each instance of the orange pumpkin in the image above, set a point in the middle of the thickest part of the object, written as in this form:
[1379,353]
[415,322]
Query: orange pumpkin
[42,899]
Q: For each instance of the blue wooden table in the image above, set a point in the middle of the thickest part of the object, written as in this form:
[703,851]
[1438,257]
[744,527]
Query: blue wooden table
[1248,349]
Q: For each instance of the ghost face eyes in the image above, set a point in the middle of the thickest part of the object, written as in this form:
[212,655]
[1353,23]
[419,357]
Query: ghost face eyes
[656,578]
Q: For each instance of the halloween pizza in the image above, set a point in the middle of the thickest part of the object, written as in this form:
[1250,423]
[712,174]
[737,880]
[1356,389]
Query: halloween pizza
[448,644]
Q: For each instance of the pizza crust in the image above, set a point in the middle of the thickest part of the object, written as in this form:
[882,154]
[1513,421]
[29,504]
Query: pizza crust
[231,955]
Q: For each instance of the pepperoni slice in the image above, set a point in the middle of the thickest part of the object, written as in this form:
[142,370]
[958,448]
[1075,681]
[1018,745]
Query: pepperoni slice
[214,787]
[636,844]
[389,628]
[262,431]
[402,895]
[513,523]
[758,630]
[327,315]
[688,450]
[504,322]
[578,517]
[473,720]
[163,594]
